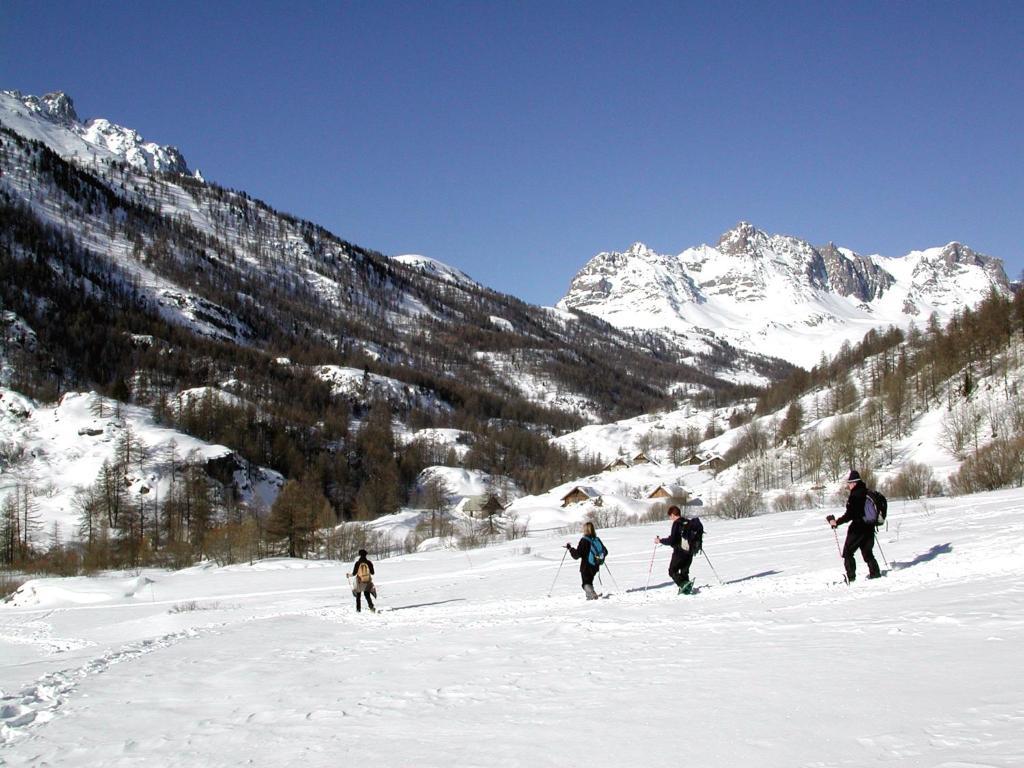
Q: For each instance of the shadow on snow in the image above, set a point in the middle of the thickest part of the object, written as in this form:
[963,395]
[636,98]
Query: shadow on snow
[931,554]
[424,605]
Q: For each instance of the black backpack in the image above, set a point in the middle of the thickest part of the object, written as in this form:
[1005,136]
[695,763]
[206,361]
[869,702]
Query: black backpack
[693,532]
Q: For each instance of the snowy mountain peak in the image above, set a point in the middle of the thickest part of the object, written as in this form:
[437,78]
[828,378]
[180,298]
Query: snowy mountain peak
[52,120]
[56,107]
[777,294]
[640,249]
[435,268]
[743,239]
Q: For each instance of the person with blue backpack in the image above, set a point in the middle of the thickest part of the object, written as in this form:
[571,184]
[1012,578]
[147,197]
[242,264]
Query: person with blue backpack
[591,553]
[863,515]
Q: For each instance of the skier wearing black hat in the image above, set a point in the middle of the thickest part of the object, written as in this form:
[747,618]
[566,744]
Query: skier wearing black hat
[363,573]
[682,552]
[861,534]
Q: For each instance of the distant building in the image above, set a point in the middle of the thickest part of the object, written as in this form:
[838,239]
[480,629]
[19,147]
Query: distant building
[643,458]
[580,493]
[712,463]
[484,505]
[619,463]
[672,492]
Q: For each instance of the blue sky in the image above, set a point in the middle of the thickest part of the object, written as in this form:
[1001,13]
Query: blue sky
[517,140]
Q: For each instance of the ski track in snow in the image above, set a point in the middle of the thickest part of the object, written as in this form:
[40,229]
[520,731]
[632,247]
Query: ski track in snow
[41,701]
[293,676]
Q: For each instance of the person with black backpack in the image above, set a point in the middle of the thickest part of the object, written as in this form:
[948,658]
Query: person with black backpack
[591,553]
[685,538]
[863,514]
[362,572]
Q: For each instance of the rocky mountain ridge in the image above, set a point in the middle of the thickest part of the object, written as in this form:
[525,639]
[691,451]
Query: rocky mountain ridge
[99,138]
[777,294]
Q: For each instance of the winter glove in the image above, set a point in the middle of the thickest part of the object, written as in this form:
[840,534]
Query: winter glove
[831,519]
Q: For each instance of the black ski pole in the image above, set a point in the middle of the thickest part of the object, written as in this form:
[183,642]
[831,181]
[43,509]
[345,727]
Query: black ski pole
[557,572]
[712,567]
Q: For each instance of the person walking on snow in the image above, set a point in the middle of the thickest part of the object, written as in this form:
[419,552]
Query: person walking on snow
[861,534]
[362,571]
[682,556]
[591,553]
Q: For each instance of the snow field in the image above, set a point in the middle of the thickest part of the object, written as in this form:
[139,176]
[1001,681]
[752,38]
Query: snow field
[470,663]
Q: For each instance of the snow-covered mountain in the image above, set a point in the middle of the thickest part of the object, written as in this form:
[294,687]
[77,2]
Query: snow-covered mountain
[221,265]
[779,295]
[52,119]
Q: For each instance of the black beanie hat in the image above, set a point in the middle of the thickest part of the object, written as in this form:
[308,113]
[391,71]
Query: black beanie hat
[362,553]
[854,476]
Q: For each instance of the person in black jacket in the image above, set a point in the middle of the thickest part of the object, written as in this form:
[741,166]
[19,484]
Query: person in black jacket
[581,552]
[861,534]
[682,557]
[363,582]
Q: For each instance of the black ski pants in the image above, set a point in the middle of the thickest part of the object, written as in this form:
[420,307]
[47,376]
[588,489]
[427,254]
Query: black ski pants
[862,539]
[679,566]
[362,588]
[587,574]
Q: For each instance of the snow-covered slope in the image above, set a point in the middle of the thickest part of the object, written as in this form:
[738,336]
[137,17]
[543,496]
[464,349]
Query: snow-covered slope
[778,295]
[61,448]
[52,120]
[438,269]
[492,657]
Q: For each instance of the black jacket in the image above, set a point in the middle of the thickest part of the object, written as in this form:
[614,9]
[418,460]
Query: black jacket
[582,552]
[854,514]
[355,568]
[675,536]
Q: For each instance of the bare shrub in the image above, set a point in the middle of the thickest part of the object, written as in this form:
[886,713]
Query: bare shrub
[789,501]
[914,481]
[959,426]
[513,528]
[1000,464]
[738,503]
[611,516]
[193,605]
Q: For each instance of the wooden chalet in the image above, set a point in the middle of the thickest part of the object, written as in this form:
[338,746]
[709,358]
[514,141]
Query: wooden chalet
[672,492]
[580,493]
[713,463]
[619,463]
[483,505]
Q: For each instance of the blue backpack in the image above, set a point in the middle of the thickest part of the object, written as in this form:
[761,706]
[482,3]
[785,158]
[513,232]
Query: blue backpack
[598,551]
[876,507]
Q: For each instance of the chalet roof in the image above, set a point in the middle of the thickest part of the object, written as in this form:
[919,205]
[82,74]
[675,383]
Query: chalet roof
[619,462]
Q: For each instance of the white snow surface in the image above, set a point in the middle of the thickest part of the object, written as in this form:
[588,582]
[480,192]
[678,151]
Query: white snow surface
[493,658]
